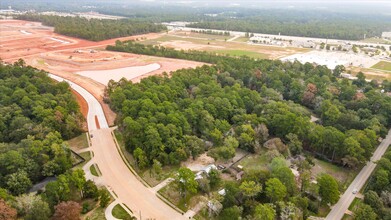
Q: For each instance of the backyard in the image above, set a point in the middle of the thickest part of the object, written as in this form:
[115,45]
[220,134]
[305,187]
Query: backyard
[343,175]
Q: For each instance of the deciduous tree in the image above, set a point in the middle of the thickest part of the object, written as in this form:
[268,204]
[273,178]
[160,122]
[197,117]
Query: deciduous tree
[250,188]
[6,212]
[185,181]
[275,190]
[67,211]
[328,189]
[264,212]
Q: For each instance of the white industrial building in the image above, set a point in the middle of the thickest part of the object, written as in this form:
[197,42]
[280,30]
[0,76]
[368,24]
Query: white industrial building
[386,35]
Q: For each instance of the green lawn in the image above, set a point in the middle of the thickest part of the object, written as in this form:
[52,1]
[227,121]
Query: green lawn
[78,142]
[167,38]
[120,213]
[93,170]
[343,175]
[201,35]
[171,193]
[347,217]
[86,156]
[382,65]
[255,161]
[239,53]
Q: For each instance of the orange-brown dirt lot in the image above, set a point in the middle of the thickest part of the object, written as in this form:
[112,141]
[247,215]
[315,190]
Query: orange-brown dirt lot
[64,56]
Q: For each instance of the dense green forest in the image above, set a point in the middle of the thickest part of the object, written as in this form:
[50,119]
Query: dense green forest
[351,119]
[36,116]
[377,200]
[305,25]
[338,24]
[248,104]
[94,29]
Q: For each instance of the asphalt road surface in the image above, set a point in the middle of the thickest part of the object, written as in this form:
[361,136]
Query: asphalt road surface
[347,198]
[116,175]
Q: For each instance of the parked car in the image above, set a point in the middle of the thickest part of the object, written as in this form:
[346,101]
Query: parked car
[220,167]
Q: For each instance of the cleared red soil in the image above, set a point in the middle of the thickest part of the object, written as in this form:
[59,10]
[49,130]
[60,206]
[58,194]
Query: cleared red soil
[15,44]
[39,50]
[83,107]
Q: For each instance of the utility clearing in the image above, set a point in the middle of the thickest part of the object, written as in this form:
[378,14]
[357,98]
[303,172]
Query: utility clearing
[129,73]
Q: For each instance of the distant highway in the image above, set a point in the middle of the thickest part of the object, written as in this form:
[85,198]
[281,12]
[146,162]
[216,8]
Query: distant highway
[338,210]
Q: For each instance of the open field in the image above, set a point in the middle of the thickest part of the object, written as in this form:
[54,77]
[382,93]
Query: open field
[376,41]
[371,73]
[105,65]
[65,56]
[382,65]
[220,44]
[202,35]
[19,39]
[343,175]
[255,161]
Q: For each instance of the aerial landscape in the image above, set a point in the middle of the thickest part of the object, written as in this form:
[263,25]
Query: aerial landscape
[221,110]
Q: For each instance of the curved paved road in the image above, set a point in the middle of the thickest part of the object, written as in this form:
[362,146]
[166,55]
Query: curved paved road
[347,198]
[115,174]
[94,108]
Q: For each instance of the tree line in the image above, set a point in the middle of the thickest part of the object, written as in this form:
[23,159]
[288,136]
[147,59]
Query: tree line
[94,29]
[36,116]
[222,33]
[377,194]
[251,104]
[299,23]
[161,51]
[352,114]
[60,200]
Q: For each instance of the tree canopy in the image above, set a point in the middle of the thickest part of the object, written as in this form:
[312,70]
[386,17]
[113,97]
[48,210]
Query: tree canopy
[94,29]
[36,115]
